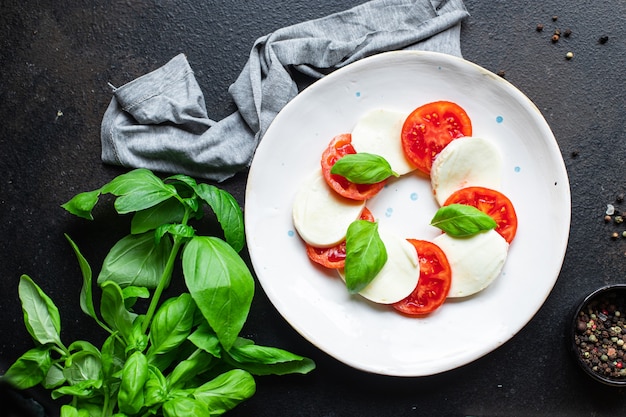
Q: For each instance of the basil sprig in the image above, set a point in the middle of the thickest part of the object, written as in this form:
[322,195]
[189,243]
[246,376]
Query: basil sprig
[179,356]
[365,255]
[363,168]
[460,220]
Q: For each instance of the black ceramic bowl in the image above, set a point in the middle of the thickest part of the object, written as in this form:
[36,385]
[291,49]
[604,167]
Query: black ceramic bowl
[598,335]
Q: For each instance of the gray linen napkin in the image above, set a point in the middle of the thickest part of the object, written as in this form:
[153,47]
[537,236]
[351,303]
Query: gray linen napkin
[159,121]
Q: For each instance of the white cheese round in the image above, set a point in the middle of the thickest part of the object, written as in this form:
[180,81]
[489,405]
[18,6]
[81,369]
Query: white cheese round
[399,276]
[466,162]
[475,262]
[378,132]
[320,215]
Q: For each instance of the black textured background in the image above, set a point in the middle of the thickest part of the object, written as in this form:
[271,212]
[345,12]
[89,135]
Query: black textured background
[56,59]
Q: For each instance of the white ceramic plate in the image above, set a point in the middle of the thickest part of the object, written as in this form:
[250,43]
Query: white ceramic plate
[315,302]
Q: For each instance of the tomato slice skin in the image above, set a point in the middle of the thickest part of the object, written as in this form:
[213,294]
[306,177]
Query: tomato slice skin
[429,128]
[434,283]
[338,147]
[334,257]
[491,202]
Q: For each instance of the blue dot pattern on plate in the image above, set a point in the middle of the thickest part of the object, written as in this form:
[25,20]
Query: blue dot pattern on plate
[517,169]
[291,233]
[388,212]
[414,196]
[499,119]
[358,94]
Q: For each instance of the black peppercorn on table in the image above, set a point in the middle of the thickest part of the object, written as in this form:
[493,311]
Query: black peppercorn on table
[56,61]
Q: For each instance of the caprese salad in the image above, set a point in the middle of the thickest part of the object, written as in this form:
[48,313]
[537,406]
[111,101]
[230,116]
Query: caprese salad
[414,276]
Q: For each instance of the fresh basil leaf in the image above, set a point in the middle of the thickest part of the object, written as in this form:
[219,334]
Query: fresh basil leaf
[168,211]
[86,292]
[84,345]
[228,212]
[54,377]
[83,366]
[267,360]
[93,406]
[363,168]
[460,220]
[132,293]
[179,230]
[138,340]
[113,310]
[112,355]
[69,411]
[197,363]
[365,254]
[136,260]
[225,391]
[171,324]
[185,407]
[82,204]
[130,398]
[182,179]
[138,190]
[220,283]
[84,389]
[156,388]
[41,316]
[205,338]
[29,369]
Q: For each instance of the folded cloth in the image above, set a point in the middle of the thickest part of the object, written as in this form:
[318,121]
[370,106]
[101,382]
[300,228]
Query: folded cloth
[159,121]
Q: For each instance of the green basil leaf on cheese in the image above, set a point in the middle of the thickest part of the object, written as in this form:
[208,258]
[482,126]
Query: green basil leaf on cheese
[365,255]
[461,220]
[363,168]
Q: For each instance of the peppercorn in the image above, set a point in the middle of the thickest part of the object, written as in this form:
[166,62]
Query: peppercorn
[555,38]
[618,219]
[620,198]
[501,73]
[600,336]
[603,39]
[614,235]
[554,18]
[569,55]
[539,27]
[567,33]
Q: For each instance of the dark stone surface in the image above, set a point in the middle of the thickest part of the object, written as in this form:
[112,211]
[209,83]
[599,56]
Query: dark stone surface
[56,59]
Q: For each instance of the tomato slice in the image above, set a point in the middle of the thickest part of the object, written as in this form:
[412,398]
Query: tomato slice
[434,283]
[340,146]
[491,202]
[429,128]
[334,257]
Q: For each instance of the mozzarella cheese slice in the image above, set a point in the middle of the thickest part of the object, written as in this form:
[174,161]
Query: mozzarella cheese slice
[475,262]
[320,215]
[378,132]
[466,162]
[399,276]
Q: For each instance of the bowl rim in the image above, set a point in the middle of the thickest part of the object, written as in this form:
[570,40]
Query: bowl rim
[572,333]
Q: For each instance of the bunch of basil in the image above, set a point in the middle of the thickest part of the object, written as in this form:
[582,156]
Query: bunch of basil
[182,356]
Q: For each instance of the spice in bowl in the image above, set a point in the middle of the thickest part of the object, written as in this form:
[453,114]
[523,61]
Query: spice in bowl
[599,335]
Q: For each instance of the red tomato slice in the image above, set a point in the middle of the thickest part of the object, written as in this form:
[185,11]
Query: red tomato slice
[491,202]
[340,146]
[434,283]
[334,257]
[429,128]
